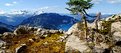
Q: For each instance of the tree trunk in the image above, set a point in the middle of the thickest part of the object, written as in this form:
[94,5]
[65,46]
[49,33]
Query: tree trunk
[96,20]
[85,25]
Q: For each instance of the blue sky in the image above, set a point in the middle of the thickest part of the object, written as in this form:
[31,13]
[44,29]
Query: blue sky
[58,6]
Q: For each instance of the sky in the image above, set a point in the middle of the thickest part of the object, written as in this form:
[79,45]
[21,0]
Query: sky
[58,6]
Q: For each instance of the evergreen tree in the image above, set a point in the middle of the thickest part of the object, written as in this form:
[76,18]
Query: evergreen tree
[80,7]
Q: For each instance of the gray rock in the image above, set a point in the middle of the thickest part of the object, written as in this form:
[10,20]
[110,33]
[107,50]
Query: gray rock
[2,51]
[8,35]
[2,46]
[72,29]
[100,41]
[39,29]
[21,30]
[26,30]
[31,40]
[2,43]
[116,28]
[100,48]
[116,49]
[114,17]
[61,31]
[42,32]
[1,35]
[54,31]
[32,29]
[74,43]
[21,49]
[45,35]
[45,43]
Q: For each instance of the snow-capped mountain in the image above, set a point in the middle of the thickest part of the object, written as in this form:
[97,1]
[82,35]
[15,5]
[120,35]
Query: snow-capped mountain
[39,18]
[50,21]
[26,12]
[16,17]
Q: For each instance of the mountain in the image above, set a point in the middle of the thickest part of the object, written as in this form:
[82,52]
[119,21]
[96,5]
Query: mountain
[16,17]
[50,21]
[5,28]
[89,19]
[104,40]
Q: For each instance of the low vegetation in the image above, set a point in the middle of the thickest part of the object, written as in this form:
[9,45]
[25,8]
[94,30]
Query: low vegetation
[36,44]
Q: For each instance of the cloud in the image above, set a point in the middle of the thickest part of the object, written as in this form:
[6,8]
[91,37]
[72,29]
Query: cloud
[53,9]
[43,8]
[114,1]
[10,4]
[14,2]
[47,7]
[107,1]
[2,12]
[96,1]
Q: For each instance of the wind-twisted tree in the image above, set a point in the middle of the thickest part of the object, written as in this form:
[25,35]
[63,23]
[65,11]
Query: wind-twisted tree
[97,20]
[80,7]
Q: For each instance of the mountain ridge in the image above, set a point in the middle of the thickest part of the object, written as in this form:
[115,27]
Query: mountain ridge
[6,28]
[49,20]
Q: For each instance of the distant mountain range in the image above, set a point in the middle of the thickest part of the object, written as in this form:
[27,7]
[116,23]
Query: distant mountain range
[50,21]
[6,28]
[39,19]
[16,17]
[78,17]
[44,20]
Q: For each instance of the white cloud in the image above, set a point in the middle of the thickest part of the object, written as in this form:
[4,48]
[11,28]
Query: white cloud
[96,1]
[2,12]
[10,4]
[34,10]
[108,1]
[114,1]
[43,8]
[14,2]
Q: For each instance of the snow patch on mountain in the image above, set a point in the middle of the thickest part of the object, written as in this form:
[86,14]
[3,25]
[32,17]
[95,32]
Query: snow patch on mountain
[17,16]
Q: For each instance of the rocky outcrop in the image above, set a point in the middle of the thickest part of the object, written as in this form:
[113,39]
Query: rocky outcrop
[43,32]
[74,43]
[101,43]
[35,30]
[116,17]
[116,29]
[8,35]
[73,40]
[2,43]
[21,30]
[2,46]
[21,49]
